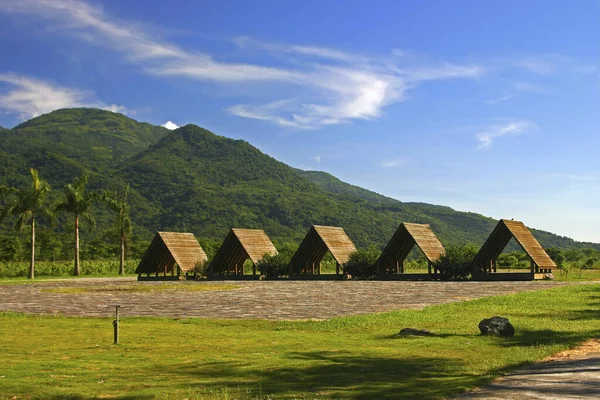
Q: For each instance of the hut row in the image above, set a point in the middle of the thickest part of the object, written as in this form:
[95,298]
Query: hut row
[170,249]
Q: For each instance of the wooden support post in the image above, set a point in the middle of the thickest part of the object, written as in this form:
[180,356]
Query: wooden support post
[337,268]
[532,266]
[116,324]
[402,267]
[429,267]
[495,265]
[173,270]
[253,269]
[319,270]
[313,268]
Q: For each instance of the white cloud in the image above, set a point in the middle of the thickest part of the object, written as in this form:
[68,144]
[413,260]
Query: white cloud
[329,86]
[28,97]
[517,89]
[314,51]
[170,125]
[544,64]
[392,163]
[120,109]
[317,159]
[486,138]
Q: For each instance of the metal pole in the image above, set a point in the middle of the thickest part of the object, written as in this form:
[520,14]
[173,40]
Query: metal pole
[116,323]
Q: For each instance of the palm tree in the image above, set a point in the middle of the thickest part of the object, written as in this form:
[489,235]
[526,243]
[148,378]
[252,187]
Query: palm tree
[26,204]
[120,206]
[77,202]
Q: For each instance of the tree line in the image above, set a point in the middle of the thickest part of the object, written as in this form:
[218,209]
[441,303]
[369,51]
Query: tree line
[28,204]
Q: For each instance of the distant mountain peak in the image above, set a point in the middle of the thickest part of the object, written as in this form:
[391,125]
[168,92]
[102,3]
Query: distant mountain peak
[81,116]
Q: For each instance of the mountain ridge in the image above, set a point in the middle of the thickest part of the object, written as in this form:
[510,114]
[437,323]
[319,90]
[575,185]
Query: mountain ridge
[192,179]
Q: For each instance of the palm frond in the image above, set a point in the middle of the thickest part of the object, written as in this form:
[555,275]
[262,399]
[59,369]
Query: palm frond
[88,218]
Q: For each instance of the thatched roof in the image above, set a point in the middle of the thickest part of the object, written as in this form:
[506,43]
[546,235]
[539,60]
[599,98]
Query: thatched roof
[168,248]
[240,245]
[501,235]
[318,241]
[405,238]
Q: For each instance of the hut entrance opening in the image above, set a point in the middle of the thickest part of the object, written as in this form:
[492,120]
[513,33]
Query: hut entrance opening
[410,239]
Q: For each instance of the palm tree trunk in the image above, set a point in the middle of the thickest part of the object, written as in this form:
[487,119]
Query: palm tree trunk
[122,266]
[32,264]
[76,272]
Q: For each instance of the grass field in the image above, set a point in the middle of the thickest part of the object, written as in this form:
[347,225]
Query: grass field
[348,358]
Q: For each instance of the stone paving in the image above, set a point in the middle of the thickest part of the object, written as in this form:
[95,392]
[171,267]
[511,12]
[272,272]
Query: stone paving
[572,374]
[273,300]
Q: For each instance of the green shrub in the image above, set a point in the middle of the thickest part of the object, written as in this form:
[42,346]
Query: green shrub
[361,263]
[201,268]
[456,264]
[274,265]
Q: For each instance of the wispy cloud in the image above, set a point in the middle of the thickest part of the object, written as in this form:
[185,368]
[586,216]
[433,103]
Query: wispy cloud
[544,64]
[317,159]
[494,132]
[517,89]
[392,163]
[170,125]
[120,109]
[246,42]
[329,86]
[28,97]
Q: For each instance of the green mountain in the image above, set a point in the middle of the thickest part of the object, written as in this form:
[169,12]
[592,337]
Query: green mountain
[193,180]
[66,143]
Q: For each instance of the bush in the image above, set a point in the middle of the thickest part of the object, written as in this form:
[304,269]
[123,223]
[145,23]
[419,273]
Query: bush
[456,264]
[274,265]
[201,268]
[361,263]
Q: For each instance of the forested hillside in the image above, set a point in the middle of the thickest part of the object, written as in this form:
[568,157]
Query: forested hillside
[193,180]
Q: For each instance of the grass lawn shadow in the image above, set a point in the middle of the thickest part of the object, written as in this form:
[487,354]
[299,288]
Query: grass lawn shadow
[340,375]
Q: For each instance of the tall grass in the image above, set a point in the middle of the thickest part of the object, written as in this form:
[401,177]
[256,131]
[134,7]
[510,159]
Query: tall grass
[15,269]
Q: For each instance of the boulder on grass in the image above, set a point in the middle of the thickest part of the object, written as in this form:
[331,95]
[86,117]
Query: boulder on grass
[413,332]
[496,326]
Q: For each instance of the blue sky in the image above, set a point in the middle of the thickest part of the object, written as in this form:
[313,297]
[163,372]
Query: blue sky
[490,107]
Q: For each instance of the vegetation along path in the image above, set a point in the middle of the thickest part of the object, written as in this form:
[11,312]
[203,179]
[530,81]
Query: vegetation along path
[274,300]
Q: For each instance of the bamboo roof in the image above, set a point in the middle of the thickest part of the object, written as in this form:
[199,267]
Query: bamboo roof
[405,238]
[501,235]
[240,245]
[168,248]
[318,241]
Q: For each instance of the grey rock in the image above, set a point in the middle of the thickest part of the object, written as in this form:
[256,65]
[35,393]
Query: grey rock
[496,326]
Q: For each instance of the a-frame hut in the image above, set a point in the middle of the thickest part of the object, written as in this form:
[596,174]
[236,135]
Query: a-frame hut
[239,246]
[485,260]
[168,249]
[405,238]
[317,242]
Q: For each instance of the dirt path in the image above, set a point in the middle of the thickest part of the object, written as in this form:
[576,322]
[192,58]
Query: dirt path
[573,374]
[275,300]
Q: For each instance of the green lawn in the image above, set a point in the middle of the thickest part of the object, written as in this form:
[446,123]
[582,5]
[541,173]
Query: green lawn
[348,358]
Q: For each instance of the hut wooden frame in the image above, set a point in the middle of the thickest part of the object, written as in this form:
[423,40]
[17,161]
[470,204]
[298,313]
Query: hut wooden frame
[168,249]
[318,241]
[404,240]
[240,245]
[486,260]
